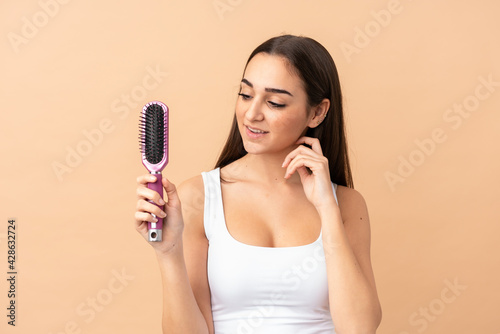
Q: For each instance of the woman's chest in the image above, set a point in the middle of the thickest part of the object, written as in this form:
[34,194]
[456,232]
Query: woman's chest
[267,218]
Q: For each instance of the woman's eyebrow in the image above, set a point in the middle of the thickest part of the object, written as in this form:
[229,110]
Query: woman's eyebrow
[271,90]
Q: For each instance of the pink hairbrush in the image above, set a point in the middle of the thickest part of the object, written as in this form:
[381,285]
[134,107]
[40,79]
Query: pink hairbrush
[153,138]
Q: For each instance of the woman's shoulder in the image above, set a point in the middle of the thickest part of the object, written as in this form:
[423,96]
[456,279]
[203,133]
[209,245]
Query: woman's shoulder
[195,186]
[348,195]
[192,184]
[351,202]
[192,194]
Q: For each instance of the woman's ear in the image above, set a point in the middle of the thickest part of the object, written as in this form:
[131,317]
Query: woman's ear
[319,113]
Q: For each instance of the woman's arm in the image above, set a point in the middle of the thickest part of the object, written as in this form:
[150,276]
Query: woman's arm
[192,194]
[354,302]
[186,294]
[181,313]
[182,257]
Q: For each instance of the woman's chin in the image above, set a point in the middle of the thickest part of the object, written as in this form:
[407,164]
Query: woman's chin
[251,148]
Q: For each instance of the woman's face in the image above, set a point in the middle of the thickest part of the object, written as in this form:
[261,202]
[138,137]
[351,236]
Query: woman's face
[273,103]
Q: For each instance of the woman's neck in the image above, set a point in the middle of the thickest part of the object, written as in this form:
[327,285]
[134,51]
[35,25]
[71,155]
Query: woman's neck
[264,168]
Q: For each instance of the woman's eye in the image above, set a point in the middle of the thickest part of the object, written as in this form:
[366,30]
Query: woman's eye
[276,105]
[244,96]
[271,103]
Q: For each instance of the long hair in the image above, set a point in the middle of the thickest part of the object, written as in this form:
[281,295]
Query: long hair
[315,66]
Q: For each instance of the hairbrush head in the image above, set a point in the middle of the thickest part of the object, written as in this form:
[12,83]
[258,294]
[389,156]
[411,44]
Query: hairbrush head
[153,136]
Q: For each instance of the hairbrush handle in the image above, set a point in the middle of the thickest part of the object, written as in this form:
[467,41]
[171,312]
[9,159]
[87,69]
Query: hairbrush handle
[153,140]
[155,229]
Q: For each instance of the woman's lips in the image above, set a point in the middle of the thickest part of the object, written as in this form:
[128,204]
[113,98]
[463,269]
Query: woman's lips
[254,135]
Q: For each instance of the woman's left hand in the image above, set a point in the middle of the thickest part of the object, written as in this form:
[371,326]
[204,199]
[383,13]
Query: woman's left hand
[317,185]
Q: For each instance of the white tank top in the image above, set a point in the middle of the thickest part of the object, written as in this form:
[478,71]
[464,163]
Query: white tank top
[262,290]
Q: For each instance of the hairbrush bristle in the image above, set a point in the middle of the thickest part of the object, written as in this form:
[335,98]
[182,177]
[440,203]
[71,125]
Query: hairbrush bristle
[152,139]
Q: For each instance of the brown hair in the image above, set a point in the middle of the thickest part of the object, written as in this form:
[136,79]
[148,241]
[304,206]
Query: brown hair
[315,66]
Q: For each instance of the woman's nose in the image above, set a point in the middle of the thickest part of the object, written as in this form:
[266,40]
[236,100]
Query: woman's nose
[254,111]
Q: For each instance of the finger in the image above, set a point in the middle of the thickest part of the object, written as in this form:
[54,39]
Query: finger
[171,190]
[313,142]
[299,150]
[303,172]
[314,163]
[149,194]
[141,217]
[148,207]
[145,179]
[303,161]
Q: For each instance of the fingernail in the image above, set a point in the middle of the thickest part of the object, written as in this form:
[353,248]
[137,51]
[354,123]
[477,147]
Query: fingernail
[161,201]
[283,164]
[155,219]
[163,214]
[152,178]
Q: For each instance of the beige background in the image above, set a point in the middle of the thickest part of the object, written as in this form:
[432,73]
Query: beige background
[67,68]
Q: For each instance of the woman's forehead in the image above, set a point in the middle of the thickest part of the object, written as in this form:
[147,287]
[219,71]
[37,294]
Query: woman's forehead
[264,71]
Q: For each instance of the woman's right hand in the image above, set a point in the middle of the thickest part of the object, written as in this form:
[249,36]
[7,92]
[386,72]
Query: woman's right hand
[173,223]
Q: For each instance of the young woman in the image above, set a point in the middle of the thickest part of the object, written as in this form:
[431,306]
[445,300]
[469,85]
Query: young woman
[275,239]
